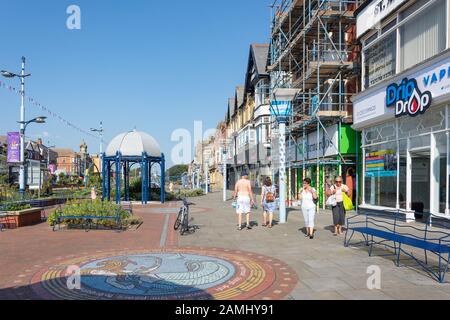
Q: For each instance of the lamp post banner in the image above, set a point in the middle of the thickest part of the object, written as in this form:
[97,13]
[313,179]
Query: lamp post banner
[13,141]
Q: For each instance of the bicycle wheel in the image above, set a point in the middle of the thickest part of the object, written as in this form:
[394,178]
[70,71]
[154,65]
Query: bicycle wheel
[177,224]
[184,225]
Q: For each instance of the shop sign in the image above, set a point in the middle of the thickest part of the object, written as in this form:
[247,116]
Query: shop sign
[381,164]
[374,13]
[413,94]
[407,98]
[328,144]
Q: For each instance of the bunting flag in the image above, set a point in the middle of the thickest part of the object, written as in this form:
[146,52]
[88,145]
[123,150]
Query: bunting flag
[33,102]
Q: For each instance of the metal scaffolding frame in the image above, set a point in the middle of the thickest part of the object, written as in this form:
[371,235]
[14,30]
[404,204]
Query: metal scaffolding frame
[311,51]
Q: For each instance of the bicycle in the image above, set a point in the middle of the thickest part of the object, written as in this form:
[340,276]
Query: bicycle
[183,218]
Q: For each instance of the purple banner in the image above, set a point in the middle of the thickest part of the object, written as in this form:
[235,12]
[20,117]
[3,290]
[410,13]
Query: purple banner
[52,168]
[13,141]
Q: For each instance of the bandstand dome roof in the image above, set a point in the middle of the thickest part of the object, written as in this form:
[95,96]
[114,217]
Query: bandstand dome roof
[132,144]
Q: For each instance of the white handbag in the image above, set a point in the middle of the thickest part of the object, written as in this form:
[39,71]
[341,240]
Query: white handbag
[331,201]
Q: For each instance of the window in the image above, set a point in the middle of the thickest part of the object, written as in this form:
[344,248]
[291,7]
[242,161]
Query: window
[262,93]
[380,60]
[423,36]
[441,171]
[403,151]
[381,175]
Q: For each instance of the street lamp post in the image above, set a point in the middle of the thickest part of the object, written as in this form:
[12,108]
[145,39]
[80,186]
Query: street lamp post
[281,108]
[223,155]
[22,122]
[23,128]
[100,131]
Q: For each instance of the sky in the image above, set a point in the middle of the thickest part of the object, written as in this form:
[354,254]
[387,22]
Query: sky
[152,65]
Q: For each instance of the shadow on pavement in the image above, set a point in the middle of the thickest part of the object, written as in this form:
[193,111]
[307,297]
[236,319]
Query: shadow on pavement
[95,287]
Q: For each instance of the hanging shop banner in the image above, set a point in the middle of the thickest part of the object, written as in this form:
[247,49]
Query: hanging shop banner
[381,164]
[406,95]
[13,141]
[328,144]
[373,14]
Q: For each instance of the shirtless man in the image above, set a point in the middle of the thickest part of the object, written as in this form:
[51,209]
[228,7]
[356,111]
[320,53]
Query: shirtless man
[244,194]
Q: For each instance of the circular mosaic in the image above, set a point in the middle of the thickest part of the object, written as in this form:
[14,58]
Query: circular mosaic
[178,274]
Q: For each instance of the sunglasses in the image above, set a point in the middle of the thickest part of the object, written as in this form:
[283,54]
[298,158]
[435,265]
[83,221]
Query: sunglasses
[338,181]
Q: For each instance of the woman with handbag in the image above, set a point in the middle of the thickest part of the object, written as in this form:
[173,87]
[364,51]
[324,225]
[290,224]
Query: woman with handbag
[268,201]
[308,196]
[336,196]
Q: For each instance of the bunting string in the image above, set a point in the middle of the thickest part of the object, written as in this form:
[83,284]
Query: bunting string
[47,110]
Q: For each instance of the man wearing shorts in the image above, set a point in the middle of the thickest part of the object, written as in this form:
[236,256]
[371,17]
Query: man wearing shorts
[244,195]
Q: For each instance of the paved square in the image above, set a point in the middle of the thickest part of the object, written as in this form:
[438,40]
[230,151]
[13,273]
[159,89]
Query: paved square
[216,262]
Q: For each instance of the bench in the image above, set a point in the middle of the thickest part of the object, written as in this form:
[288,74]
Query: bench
[431,236]
[89,220]
[128,206]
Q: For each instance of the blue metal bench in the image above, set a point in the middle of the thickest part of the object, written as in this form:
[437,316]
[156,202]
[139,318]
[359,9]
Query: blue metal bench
[389,227]
[89,220]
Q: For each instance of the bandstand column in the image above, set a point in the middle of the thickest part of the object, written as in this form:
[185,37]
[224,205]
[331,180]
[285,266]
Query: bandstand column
[163,178]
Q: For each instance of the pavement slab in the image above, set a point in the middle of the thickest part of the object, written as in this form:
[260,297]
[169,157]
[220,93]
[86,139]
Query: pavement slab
[215,262]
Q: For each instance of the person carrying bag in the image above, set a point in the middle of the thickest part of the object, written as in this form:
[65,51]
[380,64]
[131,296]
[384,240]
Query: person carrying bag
[268,201]
[336,196]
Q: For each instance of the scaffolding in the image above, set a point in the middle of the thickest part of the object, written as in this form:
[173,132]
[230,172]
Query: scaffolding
[315,51]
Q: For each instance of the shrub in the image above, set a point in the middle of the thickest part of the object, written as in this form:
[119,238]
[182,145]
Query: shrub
[15,206]
[90,208]
[186,193]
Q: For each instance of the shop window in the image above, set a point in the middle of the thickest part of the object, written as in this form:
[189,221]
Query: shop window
[433,120]
[403,152]
[441,170]
[424,36]
[382,133]
[420,142]
[381,175]
[380,60]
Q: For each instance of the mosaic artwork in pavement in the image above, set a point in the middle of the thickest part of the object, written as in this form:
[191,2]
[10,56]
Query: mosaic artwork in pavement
[186,273]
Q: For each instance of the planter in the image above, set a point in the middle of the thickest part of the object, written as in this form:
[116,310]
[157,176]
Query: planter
[43,203]
[23,218]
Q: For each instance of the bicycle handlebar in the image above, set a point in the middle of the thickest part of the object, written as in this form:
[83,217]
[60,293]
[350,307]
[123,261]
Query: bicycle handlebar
[186,203]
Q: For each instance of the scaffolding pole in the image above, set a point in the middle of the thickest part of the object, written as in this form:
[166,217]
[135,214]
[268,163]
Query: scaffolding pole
[309,52]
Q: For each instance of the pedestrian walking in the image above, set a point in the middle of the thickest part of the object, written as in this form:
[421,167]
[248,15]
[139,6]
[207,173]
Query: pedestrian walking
[308,196]
[268,196]
[337,191]
[243,194]
[93,193]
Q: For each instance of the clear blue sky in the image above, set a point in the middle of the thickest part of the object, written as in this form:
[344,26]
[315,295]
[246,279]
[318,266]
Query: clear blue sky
[137,63]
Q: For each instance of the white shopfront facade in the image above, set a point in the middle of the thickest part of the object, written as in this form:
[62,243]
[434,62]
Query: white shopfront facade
[405,124]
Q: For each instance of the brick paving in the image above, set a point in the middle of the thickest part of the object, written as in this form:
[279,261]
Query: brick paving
[278,263]
[325,268]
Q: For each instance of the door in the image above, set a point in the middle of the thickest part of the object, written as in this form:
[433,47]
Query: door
[420,181]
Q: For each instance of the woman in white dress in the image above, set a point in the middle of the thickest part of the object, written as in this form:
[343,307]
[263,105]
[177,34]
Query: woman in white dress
[308,197]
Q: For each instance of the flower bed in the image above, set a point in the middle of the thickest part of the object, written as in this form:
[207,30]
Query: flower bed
[95,208]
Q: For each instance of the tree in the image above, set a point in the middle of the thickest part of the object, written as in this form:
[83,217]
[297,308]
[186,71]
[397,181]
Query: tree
[176,171]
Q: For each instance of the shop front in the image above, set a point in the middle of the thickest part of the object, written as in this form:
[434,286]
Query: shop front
[326,156]
[405,125]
